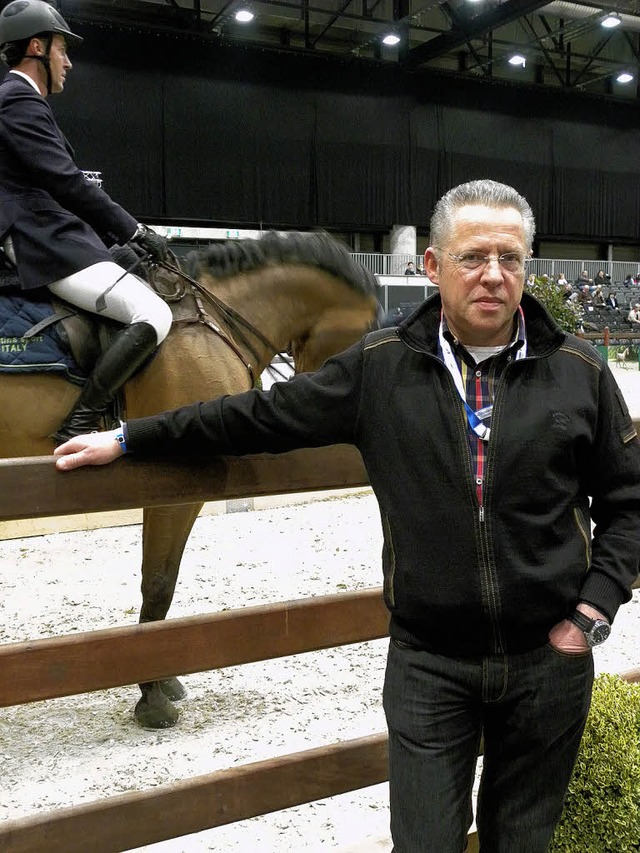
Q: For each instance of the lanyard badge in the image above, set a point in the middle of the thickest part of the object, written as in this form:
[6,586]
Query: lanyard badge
[474,419]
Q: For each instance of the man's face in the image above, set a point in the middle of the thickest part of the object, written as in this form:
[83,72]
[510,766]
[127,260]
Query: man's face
[479,304]
[59,62]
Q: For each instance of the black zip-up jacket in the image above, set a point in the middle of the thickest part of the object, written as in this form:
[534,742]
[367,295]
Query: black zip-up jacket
[460,579]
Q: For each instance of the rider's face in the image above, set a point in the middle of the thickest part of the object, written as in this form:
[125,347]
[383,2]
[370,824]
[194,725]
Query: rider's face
[60,63]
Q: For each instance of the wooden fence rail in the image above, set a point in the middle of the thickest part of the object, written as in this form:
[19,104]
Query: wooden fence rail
[132,820]
[59,666]
[32,488]
[113,657]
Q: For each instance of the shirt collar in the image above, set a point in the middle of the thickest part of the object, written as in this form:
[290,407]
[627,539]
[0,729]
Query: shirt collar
[517,342]
[27,78]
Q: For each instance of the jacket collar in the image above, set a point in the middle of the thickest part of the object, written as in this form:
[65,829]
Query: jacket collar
[420,329]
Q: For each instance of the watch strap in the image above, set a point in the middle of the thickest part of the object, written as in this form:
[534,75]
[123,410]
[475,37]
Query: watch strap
[584,622]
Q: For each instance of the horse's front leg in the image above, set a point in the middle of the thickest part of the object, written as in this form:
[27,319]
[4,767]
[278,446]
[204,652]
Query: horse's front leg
[165,532]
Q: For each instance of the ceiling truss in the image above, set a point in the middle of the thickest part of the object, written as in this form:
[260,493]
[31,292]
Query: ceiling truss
[563,43]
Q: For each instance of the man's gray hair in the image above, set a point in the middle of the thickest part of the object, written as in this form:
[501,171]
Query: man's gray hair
[487,193]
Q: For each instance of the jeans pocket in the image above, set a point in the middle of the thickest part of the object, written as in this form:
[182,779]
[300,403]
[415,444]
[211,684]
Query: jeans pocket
[568,655]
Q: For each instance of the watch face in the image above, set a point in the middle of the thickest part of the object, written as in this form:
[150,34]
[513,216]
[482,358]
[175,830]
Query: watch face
[599,633]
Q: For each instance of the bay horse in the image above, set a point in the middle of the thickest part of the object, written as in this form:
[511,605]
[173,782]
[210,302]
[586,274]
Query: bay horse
[245,302]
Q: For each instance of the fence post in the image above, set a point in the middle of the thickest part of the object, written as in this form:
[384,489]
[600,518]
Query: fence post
[603,348]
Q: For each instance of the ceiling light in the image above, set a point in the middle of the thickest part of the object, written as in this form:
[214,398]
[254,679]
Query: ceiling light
[391,39]
[612,20]
[517,59]
[624,77]
[243,16]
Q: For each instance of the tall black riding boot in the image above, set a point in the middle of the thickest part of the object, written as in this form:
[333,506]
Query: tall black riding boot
[128,351]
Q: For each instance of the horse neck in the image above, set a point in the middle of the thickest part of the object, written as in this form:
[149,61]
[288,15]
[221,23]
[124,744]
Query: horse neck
[282,302]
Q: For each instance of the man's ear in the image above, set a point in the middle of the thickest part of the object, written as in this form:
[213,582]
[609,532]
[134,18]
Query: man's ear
[431,265]
[35,47]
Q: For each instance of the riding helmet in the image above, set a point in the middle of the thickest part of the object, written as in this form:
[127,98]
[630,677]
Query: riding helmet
[23,19]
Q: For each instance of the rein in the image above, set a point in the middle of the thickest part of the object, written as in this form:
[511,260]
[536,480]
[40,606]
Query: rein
[229,314]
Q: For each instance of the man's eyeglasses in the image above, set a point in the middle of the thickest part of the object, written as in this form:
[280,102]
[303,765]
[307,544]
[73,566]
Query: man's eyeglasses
[510,261]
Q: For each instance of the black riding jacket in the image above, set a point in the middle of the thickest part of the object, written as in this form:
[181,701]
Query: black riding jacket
[58,221]
[460,578]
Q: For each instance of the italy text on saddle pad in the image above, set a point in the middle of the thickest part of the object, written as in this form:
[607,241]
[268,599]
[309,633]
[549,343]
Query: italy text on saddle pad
[45,352]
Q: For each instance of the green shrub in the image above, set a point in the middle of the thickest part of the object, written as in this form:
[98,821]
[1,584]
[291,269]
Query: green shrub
[564,312]
[602,809]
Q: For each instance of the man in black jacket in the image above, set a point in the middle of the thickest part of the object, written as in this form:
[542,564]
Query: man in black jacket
[55,225]
[492,439]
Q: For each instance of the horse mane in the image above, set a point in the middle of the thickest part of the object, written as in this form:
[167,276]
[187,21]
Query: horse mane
[310,249]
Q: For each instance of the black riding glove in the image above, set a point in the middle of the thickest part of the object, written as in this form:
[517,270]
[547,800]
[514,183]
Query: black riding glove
[152,244]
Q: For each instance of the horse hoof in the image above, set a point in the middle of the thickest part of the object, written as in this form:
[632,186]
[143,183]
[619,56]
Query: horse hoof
[151,716]
[173,689]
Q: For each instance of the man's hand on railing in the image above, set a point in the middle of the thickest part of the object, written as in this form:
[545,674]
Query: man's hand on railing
[95,448]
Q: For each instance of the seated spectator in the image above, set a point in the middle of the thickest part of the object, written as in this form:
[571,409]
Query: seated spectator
[582,279]
[634,316]
[561,281]
[598,295]
[568,292]
[600,278]
[628,280]
[410,270]
[612,301]
[584,295]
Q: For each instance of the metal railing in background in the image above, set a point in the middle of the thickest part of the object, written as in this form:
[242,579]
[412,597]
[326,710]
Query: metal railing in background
[618,270]
[380,264]
[399,291]
[395,265]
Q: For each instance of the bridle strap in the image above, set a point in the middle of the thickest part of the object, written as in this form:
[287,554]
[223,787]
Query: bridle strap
[206,320]
[233,317]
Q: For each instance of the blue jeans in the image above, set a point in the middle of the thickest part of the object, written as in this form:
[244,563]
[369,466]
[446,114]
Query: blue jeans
[531,710]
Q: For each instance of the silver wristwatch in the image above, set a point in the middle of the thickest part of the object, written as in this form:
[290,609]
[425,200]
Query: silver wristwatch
[595,631]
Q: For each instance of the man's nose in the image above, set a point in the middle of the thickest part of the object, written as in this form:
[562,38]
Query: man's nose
[492,271]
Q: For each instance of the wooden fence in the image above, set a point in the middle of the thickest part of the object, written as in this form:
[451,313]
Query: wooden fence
[67,665]
[60,666]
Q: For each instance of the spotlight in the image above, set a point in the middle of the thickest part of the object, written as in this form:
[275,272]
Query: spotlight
[612,20]
[517,60]
[624,77]
[243,16]
[391,39]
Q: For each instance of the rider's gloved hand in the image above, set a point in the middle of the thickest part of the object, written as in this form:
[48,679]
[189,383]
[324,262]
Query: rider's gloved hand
[151,243]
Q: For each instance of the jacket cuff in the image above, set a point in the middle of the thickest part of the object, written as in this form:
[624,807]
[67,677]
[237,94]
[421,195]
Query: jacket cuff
[603,593]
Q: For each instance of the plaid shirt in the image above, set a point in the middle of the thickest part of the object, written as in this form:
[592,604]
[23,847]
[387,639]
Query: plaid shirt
[481,382]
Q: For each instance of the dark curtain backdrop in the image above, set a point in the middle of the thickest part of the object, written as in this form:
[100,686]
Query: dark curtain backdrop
[186,131]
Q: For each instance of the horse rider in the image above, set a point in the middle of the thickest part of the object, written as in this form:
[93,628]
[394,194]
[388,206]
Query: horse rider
[55,225]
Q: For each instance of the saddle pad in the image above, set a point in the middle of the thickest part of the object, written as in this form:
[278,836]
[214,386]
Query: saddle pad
[45,352]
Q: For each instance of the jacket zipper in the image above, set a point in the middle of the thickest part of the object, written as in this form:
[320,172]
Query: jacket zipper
[584,533]
[490,585]
[490,596]
[493,593]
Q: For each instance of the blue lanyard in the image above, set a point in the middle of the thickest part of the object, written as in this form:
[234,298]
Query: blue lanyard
[474,419]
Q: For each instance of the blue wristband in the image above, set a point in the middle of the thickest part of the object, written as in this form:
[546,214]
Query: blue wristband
[121,441]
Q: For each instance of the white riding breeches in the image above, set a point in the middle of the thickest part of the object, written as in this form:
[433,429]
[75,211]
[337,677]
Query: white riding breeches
[127,301]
